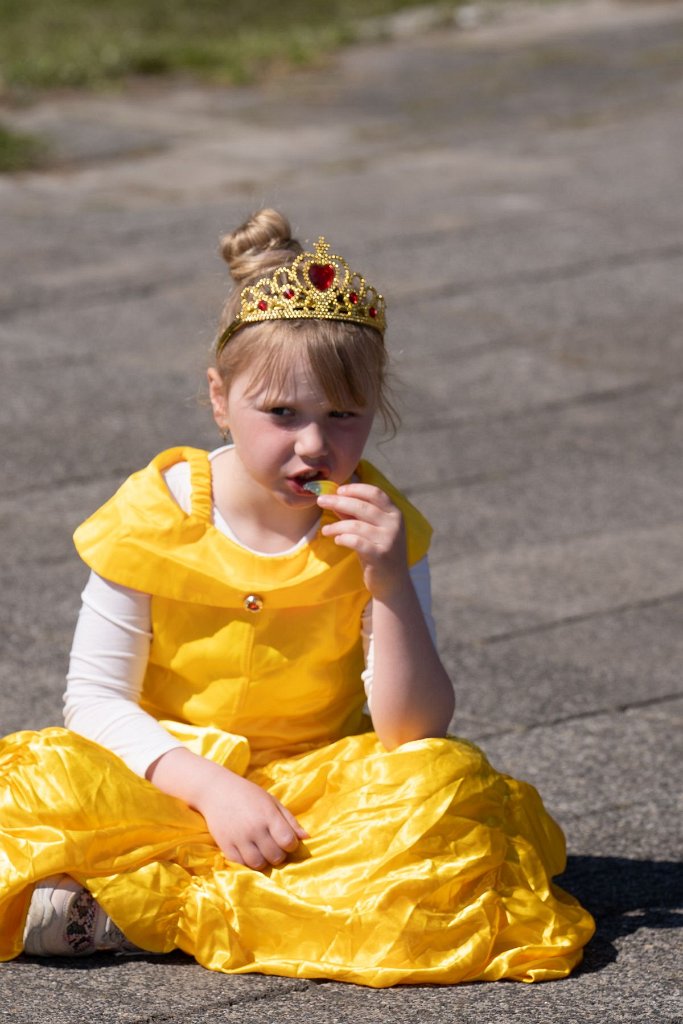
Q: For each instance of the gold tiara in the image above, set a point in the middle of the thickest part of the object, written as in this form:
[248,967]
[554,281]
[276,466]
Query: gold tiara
[316,286]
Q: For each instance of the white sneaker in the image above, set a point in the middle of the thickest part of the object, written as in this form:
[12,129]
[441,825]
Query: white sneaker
[65,920]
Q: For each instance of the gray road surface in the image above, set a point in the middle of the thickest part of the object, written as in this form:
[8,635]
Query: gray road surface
[516,190]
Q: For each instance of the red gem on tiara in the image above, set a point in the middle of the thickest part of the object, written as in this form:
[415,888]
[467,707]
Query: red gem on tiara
[321,275]
[263,305]
[353,297]
[372,311]
[289,294]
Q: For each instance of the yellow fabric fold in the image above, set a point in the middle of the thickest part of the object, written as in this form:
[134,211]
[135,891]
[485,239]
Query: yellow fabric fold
[215,744]
[424,864]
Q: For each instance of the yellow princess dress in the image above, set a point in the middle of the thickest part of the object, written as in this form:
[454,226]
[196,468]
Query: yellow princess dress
[424,863]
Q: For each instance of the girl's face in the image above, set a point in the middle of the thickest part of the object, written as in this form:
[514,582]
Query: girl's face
[282,440]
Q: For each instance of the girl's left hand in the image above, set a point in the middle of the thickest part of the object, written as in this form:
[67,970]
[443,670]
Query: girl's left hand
[371,525]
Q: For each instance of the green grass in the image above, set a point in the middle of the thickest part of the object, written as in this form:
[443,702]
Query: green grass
[48,44]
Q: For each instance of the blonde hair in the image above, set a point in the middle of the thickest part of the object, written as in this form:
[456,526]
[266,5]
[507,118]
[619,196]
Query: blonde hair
[348,360]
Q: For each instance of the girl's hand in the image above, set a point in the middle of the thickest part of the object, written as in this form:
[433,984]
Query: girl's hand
[412,696]
[372,526]
[249,825]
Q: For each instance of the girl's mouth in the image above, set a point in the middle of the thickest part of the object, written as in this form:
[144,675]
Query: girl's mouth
[299,481]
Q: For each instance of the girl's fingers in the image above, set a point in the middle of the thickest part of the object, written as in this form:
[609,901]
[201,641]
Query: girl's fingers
[358,501]
[350,508]
[271,846]
[282,833]
[261,852]
[361,545]
[352,532]
[366,492]
[232,853]
[299,831]
[253,856]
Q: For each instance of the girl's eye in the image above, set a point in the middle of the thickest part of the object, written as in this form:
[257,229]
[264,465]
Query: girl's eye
[281,410]
[340,414]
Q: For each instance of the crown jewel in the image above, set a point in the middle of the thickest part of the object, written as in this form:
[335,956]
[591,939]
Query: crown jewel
[316,286]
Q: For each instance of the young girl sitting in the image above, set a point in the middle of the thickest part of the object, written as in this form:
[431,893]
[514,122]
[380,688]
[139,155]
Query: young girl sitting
[218,788]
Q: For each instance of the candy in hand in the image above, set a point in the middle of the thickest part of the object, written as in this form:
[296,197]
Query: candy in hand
[321,486]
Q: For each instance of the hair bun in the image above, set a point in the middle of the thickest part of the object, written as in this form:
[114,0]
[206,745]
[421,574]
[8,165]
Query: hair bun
[260,245]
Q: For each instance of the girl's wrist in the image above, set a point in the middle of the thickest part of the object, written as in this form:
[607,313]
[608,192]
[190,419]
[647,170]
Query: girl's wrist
[207,777]
[394,590]
[185,775]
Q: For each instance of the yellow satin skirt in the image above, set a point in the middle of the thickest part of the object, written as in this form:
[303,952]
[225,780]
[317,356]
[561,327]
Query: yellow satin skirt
[424,865]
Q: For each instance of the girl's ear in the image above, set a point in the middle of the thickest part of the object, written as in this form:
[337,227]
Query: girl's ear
[218,397]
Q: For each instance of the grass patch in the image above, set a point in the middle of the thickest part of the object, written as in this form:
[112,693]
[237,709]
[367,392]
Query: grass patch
[86,43]
[20,152]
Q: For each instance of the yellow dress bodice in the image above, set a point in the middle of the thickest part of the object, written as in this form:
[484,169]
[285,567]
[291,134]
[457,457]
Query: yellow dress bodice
[244,645]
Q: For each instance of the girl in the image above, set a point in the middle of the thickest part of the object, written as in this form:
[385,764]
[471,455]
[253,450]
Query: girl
[218,789]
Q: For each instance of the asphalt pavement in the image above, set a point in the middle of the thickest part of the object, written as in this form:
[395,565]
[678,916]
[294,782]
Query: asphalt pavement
[513,184]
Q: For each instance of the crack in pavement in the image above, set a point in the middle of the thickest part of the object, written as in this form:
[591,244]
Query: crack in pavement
[570,620]
[576,716]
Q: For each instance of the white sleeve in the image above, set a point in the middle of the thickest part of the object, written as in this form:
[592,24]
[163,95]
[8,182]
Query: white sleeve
[104,682]
[109,659]
[419,574]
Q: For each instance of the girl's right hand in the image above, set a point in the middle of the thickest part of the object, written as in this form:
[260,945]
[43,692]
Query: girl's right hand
[249,825]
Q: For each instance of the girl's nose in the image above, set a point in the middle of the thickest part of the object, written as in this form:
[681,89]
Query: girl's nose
[311,442]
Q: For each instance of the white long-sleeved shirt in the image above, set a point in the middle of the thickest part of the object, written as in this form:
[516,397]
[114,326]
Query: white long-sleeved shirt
[111,648]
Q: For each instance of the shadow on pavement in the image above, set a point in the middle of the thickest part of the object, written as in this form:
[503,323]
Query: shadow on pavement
[624,896]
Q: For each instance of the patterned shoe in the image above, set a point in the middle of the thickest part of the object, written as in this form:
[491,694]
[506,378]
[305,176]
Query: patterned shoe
[64,920]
